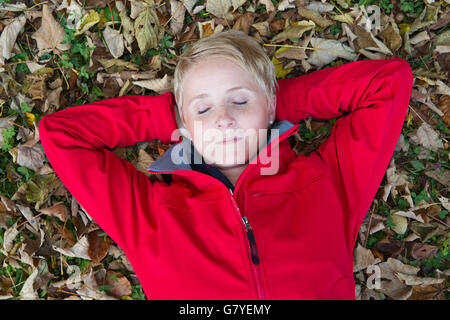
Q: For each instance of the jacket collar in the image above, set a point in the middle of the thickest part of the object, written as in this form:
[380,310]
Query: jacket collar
[178,156]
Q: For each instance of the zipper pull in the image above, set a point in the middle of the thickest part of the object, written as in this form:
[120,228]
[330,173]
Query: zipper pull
[251,240]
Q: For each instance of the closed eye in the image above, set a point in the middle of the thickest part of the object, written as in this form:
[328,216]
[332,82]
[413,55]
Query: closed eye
[201,112]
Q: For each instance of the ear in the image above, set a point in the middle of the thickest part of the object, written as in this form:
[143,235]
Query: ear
[272,107]
[179,116]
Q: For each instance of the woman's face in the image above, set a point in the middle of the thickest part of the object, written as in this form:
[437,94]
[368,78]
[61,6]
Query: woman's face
[225,112]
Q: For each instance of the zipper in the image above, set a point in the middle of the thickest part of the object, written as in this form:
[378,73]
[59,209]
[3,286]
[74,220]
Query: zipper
[253,252]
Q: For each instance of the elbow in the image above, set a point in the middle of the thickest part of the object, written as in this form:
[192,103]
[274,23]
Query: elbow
[403,72]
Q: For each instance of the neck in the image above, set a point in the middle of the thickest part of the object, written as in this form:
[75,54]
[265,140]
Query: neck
[233,173]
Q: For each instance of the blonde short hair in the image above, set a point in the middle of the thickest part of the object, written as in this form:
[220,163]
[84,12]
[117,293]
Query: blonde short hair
[236,46]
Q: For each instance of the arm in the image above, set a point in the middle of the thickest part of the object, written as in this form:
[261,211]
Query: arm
[109,188]
[375,94]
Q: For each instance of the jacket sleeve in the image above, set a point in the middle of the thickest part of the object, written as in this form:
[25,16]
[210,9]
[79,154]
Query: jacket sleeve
[112,191]
[373,97]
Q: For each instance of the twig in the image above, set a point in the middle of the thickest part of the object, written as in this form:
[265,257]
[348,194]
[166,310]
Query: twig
[223,16]
[112,17]
[165,24]
[368,227]
[12,122]
[438,220]
[37,4]
[62,72]
[28,221]
[29,47]
[424,63]
[287,46]
[75,294]
[417,113]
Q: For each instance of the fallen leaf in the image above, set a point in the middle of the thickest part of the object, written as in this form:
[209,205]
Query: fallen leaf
[362,258]
[98,245]
[158,85]
[88,21]
[413,280]
[50,35]
[79,250]
[9,36]
[58,210]
[30,157]
[295,31]
[429,292]
[121,286]
[390,247]
[326,51]
[114,41]
[146,27]
[314,16]
[426,136]
[423,251]
[177,11]
[269,5]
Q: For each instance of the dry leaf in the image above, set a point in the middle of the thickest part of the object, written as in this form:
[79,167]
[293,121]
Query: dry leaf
[220,8]
[314,16]
[269,5]
[98,245]
[146,28]
[9,36]
[88,21]
[426,136]
[177,11]
[30,157]
[362,258]
[50,35]
[327,50]
[127,23]
[295,31]
[120,284]
[423,251]
[158,85]
[114,41]
[58,210]
[79,250]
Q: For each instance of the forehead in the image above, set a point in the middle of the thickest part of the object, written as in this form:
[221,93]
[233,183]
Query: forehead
[216,75]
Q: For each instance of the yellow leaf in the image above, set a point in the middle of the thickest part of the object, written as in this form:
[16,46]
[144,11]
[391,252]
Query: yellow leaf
[346,18]
[88,21]
[280,72]
[409,119]
[404,27]
[30,118]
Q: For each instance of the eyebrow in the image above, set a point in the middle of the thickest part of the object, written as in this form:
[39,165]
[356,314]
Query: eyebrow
[203,95]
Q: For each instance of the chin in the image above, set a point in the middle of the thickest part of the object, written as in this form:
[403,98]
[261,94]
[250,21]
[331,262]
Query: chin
[227,163]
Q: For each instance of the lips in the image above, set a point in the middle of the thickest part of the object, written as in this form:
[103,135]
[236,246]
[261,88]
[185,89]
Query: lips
[230,140]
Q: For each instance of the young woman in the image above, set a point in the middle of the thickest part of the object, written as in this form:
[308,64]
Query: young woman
[242,216]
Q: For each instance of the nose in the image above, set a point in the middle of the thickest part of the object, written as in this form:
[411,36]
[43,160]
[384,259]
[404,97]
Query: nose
[224,119]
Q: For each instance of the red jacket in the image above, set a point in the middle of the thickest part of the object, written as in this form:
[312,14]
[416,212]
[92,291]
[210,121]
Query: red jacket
[188,240]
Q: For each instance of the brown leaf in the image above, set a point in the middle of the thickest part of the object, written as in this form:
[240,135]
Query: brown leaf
[390,247]
[244,22]
[276,26]
[423,251]
[391,37]
[50,35]
[32,158]
[444,105]
[58,210]
[314,16]
[120,284]
[98,245]
[430,292]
